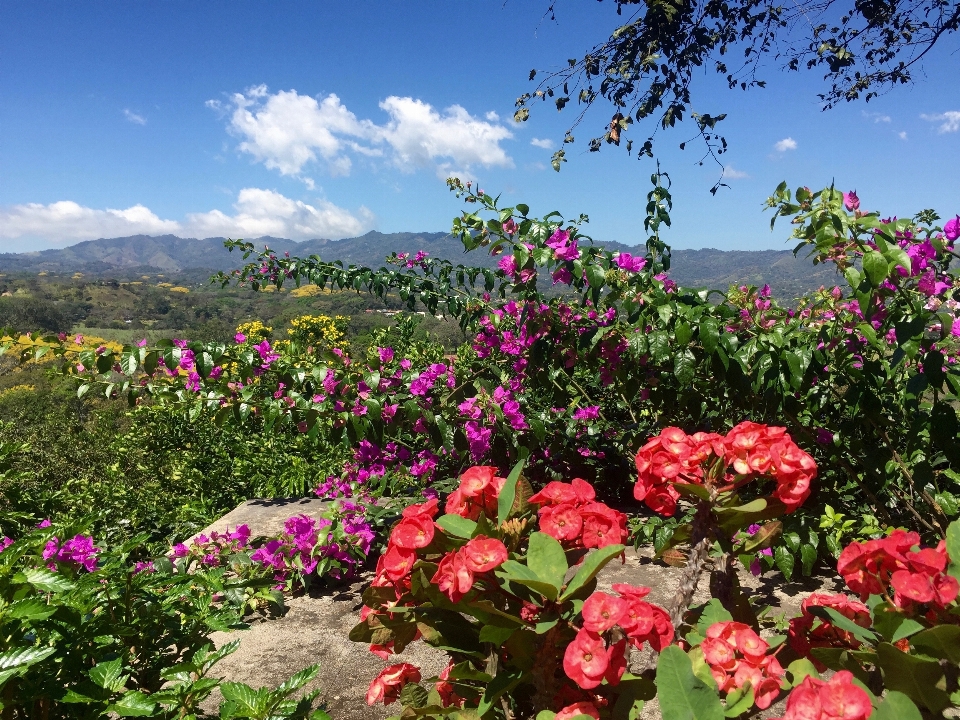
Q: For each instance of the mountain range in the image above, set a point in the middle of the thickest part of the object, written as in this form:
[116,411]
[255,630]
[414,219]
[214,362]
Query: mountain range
[789,276]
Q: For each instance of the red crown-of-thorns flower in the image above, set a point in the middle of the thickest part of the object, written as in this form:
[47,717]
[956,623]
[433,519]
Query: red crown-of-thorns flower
[749,451]
[736,655]
[589,660]
[834,699]
[917,575]
[569,513]
[387,685]
[808,631]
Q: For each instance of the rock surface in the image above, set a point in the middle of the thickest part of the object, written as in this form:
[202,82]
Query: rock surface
[266,517]
[315,629]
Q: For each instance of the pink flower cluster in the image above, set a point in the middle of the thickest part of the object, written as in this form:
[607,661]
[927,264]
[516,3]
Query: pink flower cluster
[208,549]
[484,408]
[77,552]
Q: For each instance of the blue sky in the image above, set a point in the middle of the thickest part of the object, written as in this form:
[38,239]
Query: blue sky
[329,119]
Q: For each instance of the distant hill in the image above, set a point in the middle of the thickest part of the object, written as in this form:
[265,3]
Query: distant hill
[787,275]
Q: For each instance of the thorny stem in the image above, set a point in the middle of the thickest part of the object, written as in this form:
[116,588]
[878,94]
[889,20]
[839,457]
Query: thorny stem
[699,546]
[493,667]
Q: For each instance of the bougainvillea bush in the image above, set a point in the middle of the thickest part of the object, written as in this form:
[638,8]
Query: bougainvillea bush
[93,630]
[577,355]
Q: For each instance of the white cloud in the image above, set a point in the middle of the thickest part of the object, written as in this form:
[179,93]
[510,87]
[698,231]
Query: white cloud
[287,132]
[786,144]
[733,174]
[420,136]
[903,134]
[66,220]
[133,117]
[876,117]
[545,143]
[258,212]
[950,120]
[265,212]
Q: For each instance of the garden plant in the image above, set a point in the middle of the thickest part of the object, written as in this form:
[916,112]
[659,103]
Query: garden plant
[737,432]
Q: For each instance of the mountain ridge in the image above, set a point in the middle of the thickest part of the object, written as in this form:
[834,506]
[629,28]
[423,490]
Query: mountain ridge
[790,276]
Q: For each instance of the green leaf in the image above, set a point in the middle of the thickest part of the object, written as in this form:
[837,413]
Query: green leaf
[592,564]
[853,276]
[709,334]
[106,674]
[44,580]
[133,704]
[953,548]
[799,669]
[783,559]
[596,276]
[633,692]
[713,612]
[942,641]
[413,695]
[298,680]
[515,572]
[545,556]
[457,526]
[875,267]
[892,624]
[808,556]
[682,695]
[913,676]
[495,634]
[765,537]
[843,623]
[505,681]
[21,657]
[840,659]
[508,493]
[795,364]
[30,609]
[684,367]
[251,703]
[739,701]
[896,706]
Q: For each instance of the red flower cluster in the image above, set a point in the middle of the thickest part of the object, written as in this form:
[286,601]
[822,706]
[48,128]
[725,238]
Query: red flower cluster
[446,691]
[834,699]
[455,575]
[478,493]
[387,685]
[588,661]
[414,531]
[569,513]
[750,450]
[808,631]
[580,708]
[736,655]
[917,576]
